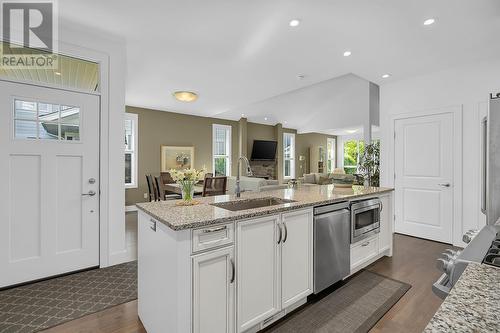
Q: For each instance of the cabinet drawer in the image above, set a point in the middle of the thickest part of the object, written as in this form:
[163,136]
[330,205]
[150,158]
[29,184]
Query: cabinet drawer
[364,251]
[212,236]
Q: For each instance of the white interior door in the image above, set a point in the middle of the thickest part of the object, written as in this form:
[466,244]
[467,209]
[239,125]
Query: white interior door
[49,167]
[424,182]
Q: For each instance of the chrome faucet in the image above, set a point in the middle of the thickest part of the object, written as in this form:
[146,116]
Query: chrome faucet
[249,173]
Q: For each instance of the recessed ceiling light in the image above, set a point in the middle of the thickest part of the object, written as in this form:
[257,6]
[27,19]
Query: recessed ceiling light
[429,21]
[185,96]
[301,76]
[385,76]
[265,118]
[347,53]
[294,22]
[57,73]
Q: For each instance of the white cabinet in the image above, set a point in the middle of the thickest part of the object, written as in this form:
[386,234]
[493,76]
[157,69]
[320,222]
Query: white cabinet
[368,250]
[214,291]
[274,265]
[364,251]
[296,256]
[257,250]
[386,220]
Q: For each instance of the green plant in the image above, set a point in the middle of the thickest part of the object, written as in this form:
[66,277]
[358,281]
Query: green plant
[369,164]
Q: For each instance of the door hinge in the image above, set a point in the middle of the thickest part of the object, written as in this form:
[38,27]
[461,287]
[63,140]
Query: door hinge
[394,134]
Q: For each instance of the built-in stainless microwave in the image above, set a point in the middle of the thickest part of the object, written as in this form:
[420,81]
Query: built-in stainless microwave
[365,218]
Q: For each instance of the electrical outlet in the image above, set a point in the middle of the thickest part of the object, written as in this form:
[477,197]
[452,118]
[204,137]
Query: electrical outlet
[145,195]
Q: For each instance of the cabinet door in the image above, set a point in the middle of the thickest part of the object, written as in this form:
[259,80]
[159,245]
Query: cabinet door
[213,291]
[258,273]
[386,219]
[296,256]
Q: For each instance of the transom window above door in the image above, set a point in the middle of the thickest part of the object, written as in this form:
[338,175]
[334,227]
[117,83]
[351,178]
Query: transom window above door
[45,121]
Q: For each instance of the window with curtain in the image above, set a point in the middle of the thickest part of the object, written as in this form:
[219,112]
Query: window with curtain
[288,155]
[330,154]
[221,141]
[130,150]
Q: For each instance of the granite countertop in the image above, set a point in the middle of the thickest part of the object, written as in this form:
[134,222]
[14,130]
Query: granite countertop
[473,304]
[186,217]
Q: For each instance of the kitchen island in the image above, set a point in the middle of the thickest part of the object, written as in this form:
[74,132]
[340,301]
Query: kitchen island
[239,264]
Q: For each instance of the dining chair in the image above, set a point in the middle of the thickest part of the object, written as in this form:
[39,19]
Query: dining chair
[214,186]
[151,188]
[166,178]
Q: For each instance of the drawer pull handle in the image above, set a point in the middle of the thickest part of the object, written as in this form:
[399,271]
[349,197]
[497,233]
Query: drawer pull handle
[365,244]
[207,231]
[233,271]
[152,225]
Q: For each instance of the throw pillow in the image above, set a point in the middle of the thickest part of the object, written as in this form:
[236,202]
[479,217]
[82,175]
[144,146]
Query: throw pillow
[309,178]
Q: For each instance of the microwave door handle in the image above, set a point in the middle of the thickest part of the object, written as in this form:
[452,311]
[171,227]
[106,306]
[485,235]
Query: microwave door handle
[484,166]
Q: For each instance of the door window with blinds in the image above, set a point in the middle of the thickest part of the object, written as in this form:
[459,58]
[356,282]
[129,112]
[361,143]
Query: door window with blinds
[288,155]
[221,141]
[46,121]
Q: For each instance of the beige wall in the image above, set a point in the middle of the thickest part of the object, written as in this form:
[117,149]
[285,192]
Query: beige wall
[158,128]
[305,144]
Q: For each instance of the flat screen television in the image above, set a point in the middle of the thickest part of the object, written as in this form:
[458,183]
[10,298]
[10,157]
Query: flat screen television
[264,150]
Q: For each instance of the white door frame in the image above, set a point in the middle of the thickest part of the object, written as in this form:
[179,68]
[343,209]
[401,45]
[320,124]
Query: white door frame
[103,60]
[457,112]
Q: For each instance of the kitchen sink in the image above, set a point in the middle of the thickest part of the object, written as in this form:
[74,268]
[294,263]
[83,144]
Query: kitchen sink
[238,205]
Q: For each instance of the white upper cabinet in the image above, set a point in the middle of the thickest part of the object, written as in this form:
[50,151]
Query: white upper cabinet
[257,271]
[296,256]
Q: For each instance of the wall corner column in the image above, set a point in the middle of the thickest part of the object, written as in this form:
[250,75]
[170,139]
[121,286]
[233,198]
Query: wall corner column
[278,129]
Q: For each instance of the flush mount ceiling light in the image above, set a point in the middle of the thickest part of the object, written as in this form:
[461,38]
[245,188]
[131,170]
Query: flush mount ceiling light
[385,76]
[294,22]
[429,21]
[185,96]
[351,131]
[57,73]
[347,53]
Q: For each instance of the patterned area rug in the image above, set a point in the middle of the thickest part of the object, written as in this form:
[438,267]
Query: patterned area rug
[44,304]
[354,307]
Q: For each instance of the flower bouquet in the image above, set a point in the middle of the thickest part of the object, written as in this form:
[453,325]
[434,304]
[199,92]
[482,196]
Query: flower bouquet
[187,179]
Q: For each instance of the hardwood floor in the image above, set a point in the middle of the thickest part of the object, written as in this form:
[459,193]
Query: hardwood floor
[413,262]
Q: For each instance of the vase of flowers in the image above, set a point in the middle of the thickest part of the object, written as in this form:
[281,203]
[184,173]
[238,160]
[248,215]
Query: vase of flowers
[187,180]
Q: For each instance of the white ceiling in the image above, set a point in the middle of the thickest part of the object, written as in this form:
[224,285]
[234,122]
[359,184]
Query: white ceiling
[234,53]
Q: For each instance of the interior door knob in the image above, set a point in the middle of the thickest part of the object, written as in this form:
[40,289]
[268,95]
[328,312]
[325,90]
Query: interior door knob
[444,184]
[90,194]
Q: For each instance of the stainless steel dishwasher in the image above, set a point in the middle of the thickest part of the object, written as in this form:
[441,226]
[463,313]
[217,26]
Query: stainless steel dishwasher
[332,239]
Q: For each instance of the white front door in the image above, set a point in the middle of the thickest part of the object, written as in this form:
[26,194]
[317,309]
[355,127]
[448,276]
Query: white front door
[49,171]
[424,182]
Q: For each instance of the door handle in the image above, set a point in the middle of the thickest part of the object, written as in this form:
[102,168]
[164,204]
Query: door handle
[90,194]
[286,233]
[233,271]
[444,184]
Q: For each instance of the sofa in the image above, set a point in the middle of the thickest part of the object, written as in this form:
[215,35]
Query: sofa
[253,184]
[337,177]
